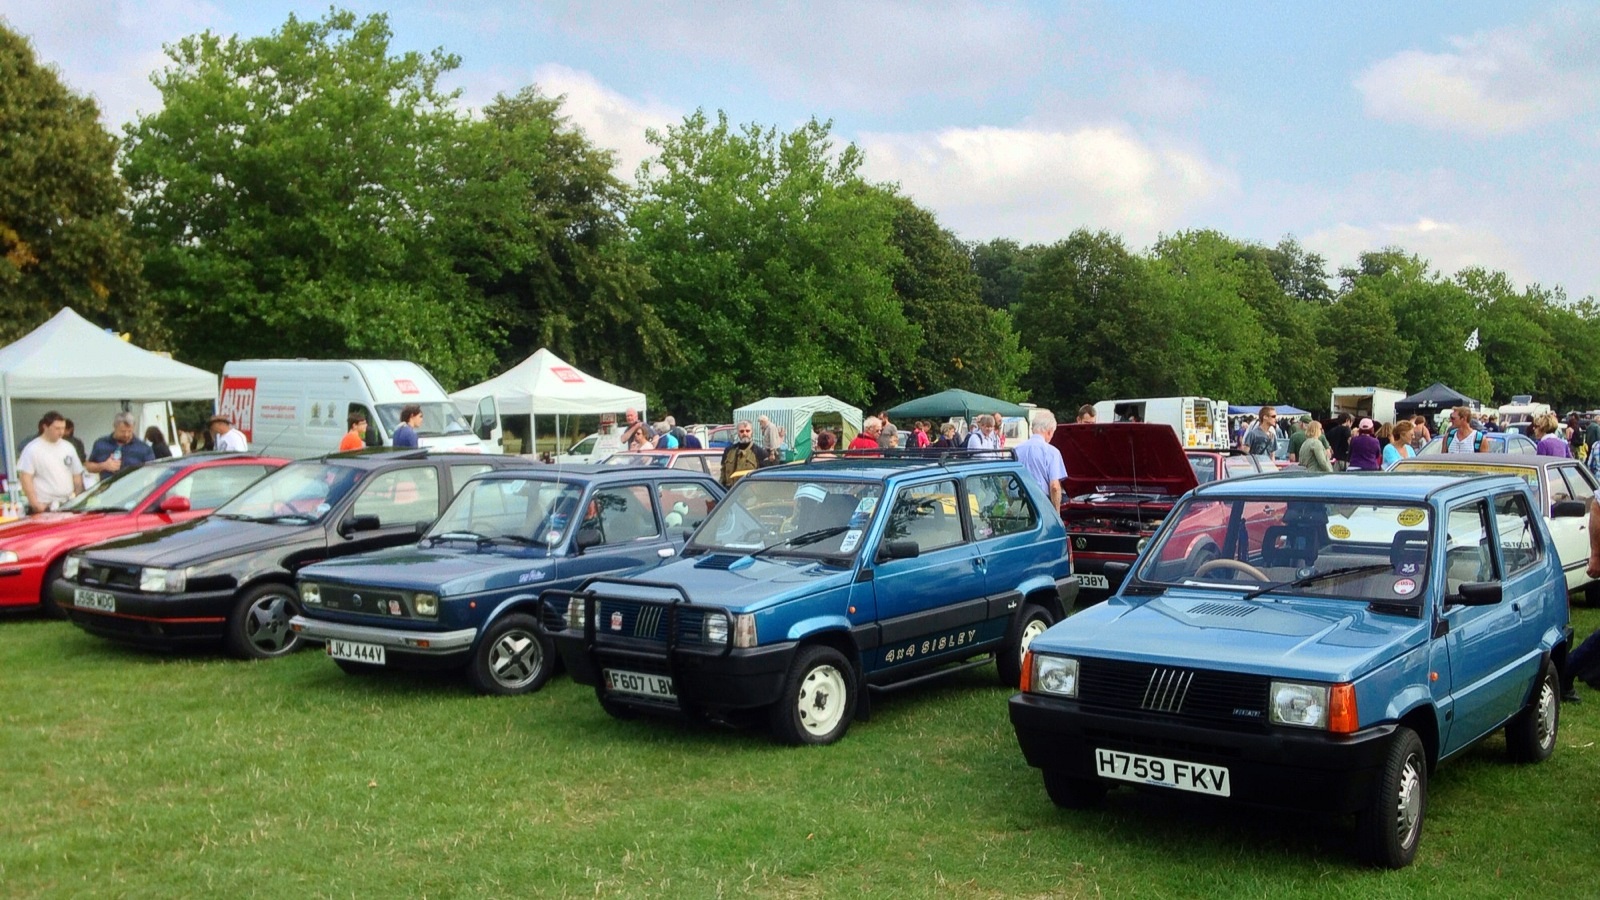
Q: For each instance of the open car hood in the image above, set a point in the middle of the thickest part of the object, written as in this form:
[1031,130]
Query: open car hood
[1124,457]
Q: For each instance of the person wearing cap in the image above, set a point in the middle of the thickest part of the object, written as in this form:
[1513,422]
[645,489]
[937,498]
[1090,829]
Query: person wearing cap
[1366,451]
[227,438]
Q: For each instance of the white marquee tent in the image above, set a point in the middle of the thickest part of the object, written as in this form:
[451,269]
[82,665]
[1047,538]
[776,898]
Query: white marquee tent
[70,363]
[546,385]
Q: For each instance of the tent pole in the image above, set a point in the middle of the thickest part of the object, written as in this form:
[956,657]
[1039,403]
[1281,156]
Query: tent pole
[9,456]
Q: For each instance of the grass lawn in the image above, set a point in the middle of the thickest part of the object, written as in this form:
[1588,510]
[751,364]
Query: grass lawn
[134,774]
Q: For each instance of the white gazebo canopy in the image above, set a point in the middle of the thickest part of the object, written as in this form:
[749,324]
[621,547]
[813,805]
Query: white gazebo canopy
[546,385]
[71,359]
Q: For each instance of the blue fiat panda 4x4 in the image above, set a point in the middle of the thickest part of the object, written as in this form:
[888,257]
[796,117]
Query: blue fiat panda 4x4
[1317,641]
[811,583]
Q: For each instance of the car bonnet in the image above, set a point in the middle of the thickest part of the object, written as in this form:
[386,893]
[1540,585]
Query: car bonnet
[1123,457]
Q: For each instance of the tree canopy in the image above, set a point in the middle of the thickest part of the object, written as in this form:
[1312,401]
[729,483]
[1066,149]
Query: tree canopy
[64,233]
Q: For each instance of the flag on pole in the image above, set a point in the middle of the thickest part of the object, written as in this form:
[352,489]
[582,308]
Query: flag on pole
[1472,341]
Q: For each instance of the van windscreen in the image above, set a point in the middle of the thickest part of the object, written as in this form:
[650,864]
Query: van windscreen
[437,418]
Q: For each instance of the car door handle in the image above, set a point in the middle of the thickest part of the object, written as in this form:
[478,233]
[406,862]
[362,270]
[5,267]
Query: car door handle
[981,564]
[665,552]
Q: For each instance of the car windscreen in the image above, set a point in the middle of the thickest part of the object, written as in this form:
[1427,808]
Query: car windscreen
[437,418]
[820,518]
[514,510]
[297,493]
[1356,549]
[120,492]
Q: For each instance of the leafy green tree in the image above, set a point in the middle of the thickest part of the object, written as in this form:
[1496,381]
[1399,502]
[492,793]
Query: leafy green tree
[1002,266]
[64,238]
[963,342]
[774,266]
[1217,303]
[540,236]
[291,189]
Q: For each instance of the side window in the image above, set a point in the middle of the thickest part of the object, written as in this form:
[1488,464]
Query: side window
[684,505]
[927,514]
[1519,539]
[621,515]
[690,463]
[402,497]
[373,438]
[1240,466]
[1558,487]
[1577,482]
[210,488]
[1466,547]
[1002,506]
[460,472]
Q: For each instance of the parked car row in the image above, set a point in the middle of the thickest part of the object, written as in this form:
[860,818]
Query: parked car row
[1335,634]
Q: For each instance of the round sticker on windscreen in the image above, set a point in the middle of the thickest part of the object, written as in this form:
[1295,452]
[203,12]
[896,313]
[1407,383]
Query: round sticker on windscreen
[1338,531]
[1404,586]
[322,508]
[1410,517]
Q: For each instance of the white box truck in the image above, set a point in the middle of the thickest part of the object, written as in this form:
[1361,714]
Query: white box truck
[298,407]
[1375,403]
[1200,422]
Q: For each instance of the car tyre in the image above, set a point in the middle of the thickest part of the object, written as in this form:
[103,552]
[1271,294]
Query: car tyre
[512,657]
[1531,734]
[818,700]
[47,601]
[1389,829]
[1032,623]
[259,627]
[1073,791]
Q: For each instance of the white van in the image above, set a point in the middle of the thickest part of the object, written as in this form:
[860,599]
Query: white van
[298,407]
[1200,423]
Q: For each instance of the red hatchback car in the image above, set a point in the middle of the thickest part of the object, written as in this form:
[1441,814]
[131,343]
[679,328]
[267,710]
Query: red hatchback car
[150,496]
[1122,480]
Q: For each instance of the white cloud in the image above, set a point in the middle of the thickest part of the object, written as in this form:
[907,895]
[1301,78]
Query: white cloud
[1447,246]
[1493,82]
[108,50]
[608,118]
[857,54]
[1037,185]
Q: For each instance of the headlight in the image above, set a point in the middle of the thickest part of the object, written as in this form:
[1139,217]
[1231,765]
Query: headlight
[716,628]
[426,604]
[310,593]
[161,581]
[69,567]
[1055,675]
[8,556]
[575,613]
[1305,705]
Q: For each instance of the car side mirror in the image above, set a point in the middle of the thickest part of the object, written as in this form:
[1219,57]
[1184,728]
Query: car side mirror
[174,505]
[588,537]
[1568,509]
[898,550]
[349,527]
[1116,570]
[1479,593]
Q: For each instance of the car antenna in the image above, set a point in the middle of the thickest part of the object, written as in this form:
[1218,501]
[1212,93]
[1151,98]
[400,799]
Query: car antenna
[274,440]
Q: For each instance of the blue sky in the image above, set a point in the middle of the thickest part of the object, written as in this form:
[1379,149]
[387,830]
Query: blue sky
[1464,132]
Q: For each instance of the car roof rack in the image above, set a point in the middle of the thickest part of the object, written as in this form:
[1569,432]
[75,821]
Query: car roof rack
[904,455]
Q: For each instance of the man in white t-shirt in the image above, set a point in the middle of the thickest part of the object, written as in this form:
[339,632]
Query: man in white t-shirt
[228,438]
[49,468]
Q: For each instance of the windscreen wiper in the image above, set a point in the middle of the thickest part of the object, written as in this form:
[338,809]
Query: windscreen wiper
[473,536]
[1315,577]
[808,537]
[517,539]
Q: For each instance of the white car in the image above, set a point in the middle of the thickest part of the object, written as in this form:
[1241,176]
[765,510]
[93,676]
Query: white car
[1562,486]
[595,448]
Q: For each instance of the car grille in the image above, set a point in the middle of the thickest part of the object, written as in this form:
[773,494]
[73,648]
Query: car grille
[108,575]
[1173,690]
[1127,544]
[646,621]
[371,601]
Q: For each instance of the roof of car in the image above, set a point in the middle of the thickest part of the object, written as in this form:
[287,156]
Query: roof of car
[1382,486]
[375,457]
[880,464]
[1523,460]
[592,472]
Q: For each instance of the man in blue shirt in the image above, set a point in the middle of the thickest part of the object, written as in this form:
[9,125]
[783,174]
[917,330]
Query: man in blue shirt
[118,450]
[1041,458]
[410,421]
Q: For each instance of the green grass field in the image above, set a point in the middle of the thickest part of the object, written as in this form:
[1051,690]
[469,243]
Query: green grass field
[141,775]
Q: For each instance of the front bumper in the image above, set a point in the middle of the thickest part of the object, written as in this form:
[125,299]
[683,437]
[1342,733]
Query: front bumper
[1281,767]
[705,682]
[164,621]
[431,644]
[21,584]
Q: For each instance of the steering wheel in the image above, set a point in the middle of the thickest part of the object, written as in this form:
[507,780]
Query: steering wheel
[1232,565]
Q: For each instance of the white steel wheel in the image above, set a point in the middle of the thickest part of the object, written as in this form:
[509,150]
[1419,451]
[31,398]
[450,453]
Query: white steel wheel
[818,700]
